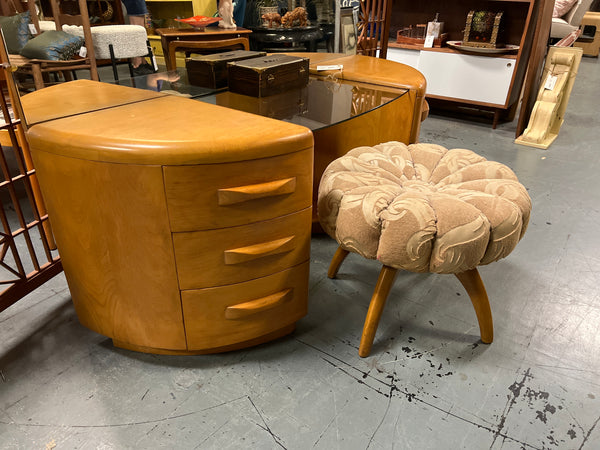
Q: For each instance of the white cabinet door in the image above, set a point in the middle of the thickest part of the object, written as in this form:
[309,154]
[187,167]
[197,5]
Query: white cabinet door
[467,77]
[404,56]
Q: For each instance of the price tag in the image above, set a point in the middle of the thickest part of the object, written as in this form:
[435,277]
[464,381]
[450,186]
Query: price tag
[331,67]
[83,52]
[32,29]
[550,82]
[428,42]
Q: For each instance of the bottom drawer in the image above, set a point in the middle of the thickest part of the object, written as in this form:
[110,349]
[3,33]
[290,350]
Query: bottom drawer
[227,315]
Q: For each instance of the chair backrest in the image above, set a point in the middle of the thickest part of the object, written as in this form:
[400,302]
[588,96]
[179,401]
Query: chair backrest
[12,7]
[374,27]
[82,19]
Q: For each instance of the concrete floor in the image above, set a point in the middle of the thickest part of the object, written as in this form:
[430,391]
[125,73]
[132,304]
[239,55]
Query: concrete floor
[429,384]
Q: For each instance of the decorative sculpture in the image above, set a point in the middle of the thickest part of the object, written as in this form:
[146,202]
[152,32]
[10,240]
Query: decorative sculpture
[297,16]
[226,13]
[271,18]
[548,112]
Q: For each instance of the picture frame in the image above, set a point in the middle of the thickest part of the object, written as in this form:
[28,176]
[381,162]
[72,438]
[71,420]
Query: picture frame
[348,30]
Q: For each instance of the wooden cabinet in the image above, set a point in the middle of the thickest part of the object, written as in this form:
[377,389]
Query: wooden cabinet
[486,80]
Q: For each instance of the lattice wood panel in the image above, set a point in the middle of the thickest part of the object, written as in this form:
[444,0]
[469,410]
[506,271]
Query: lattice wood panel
[28,256]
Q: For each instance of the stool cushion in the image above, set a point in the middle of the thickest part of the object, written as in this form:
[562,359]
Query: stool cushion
[127,40]
[422,207]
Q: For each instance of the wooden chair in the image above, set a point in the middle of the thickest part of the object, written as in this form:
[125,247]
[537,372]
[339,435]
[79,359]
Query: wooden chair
[374,27]
[40,68]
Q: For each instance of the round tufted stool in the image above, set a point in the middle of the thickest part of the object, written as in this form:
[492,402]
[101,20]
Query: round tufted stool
[422,208]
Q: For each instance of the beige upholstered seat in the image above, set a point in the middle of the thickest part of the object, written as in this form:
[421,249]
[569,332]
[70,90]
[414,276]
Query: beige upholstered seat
[422,208]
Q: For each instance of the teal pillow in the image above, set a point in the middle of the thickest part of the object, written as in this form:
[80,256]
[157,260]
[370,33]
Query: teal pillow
[53,45]
[16,31]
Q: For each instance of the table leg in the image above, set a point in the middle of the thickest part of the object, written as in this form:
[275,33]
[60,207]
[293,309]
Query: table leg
[170,60]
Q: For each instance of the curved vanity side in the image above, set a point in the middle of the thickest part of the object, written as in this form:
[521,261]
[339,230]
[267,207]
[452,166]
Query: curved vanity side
[382,72]
[111,226]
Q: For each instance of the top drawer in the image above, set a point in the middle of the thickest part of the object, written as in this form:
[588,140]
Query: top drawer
[222,195]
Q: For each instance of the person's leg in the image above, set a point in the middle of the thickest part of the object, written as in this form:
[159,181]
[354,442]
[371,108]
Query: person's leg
[136,61]
[136,11]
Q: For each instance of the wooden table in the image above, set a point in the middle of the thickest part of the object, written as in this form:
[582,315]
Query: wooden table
[184,227]
[174,39]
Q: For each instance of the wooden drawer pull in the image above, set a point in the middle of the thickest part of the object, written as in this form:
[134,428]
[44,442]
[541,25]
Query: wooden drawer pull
[244,254]
[246,309]
[231,196]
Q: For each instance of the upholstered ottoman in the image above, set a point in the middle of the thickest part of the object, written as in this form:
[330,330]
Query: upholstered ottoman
[422,208]
[115,42]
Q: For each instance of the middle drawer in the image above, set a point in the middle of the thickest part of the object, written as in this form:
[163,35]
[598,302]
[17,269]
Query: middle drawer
[235,254]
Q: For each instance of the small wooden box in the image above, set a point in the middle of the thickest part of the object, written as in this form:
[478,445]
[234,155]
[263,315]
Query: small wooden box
[262,77]
[210,71]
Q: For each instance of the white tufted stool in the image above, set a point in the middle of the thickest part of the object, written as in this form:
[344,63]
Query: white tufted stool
[115,42]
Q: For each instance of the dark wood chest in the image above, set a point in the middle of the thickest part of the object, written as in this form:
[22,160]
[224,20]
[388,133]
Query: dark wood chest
[269,75]
[210,71]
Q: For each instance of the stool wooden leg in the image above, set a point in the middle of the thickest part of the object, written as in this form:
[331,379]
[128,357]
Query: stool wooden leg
[382,289]
[336,262]
[472,283]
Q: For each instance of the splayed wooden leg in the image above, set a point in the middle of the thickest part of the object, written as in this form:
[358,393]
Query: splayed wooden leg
[336,262]
[472,283]
[382,289]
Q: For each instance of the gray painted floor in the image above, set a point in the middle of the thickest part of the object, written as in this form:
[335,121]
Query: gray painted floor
[429,384]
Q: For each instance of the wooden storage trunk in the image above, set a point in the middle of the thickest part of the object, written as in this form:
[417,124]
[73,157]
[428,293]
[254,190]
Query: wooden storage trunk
[269,75]
[210,71]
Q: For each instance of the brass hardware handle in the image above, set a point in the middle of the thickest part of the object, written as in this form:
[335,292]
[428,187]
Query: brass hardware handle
[245,254]
[242,310]
[240,194]
[270,78]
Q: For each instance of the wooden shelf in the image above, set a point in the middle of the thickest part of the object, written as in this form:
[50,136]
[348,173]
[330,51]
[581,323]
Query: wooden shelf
[494,81]
[393,44]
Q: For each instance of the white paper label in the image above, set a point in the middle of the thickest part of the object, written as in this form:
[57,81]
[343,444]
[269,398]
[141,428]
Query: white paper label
[550,82]
[428,42]
[83,52]
[331,67]
[32,29]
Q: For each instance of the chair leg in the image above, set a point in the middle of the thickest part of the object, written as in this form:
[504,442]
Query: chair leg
[113,62]
[151,56]
[473,284]
[38,78]
[382,289]
[336,262]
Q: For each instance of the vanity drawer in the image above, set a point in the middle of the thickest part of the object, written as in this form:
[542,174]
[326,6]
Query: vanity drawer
[216,317]
[208,196]
[232,255]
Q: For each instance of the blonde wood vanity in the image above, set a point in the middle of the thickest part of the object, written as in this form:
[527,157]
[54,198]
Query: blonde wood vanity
[176,236]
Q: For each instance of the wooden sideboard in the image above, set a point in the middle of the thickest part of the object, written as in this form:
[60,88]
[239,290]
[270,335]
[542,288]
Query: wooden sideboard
[183,227]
